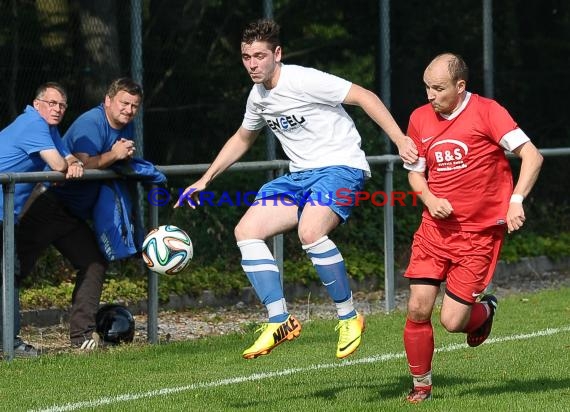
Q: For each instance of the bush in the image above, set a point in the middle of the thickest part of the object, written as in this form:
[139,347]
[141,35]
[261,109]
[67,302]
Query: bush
[127,283]
[521,244]
[216,263]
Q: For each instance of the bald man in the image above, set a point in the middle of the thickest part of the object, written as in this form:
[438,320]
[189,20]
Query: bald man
[461,139]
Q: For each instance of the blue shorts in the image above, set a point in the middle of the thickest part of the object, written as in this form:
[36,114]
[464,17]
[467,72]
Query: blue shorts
[316,187]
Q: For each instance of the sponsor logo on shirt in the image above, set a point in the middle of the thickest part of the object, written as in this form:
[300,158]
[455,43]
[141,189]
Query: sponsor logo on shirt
[285,123]
[449,154]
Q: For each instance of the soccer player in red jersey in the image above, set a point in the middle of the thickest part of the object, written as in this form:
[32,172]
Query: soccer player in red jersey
[466,186]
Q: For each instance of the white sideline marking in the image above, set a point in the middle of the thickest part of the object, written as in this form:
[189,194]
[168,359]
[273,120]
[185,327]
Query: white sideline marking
[107,400]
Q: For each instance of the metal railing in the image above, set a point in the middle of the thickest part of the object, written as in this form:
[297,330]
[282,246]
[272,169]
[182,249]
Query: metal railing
[9,180]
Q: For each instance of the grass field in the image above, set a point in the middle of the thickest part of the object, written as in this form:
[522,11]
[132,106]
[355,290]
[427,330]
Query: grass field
[524,366]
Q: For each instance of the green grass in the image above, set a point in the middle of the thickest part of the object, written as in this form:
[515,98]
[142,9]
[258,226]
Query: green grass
[524,366]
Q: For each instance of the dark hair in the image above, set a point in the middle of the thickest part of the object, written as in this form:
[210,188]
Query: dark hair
[264,30]
[125,84]
[49,85]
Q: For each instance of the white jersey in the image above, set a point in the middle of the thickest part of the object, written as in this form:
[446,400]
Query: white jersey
[305,112]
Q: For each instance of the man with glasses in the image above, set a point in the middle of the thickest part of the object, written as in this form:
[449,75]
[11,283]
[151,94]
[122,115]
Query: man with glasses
[53,103]
[29,143]
[99,138]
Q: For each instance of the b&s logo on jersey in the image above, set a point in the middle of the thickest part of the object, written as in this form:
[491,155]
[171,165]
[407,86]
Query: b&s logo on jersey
[449,155]
[286,123]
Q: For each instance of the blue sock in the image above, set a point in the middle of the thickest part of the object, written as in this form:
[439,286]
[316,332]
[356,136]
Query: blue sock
[331,270]
[263,274]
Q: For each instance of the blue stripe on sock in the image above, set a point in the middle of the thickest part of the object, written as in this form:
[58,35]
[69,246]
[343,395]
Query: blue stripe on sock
[328,253]
[253,262]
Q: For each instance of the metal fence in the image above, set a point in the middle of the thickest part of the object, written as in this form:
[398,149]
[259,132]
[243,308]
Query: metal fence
[9,180]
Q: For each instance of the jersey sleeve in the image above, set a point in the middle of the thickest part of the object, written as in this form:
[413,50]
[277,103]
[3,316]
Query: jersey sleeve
[514,139]
[413,132]
[499,121]
[37,137]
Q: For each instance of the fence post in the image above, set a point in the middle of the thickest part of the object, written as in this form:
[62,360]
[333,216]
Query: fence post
[152,302]
[8,272]
[389,294]
[278,241]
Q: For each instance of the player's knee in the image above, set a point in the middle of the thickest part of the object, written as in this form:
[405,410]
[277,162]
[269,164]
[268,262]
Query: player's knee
[418,312]
[308,235]
[452,324]
[242,231]
[238,232]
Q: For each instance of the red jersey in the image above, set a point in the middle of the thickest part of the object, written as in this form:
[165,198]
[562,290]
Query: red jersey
[465,163]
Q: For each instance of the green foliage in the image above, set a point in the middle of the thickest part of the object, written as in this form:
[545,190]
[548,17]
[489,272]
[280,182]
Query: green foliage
[223,277]
[47,296]
[364,264]
[195,279]
[519,245]
[124,290]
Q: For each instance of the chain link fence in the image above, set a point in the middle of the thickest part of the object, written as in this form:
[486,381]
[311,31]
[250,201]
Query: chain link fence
[187,54]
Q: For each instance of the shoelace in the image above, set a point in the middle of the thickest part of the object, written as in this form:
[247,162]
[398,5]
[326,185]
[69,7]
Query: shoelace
[343,327]
[262,328]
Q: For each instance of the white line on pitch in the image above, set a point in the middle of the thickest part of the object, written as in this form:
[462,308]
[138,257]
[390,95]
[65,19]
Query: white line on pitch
[107,400]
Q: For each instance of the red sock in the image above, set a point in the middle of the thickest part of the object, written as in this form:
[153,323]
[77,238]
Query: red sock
[479,314]
[419,344]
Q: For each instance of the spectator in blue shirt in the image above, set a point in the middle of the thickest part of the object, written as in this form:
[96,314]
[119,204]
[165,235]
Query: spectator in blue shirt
[59,217]
[29,144]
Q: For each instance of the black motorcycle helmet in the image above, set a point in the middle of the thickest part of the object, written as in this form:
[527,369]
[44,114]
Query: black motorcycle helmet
[115,324]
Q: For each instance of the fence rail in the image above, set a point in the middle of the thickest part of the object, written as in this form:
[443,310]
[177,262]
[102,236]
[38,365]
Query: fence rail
[9,180]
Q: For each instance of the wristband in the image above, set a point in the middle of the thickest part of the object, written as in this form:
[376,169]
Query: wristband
[516,198]
[78,162]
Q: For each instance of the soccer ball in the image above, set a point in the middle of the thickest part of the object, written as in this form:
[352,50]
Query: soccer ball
[167,250]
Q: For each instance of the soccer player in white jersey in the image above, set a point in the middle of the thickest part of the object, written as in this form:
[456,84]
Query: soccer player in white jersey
[469,204]
[303,107]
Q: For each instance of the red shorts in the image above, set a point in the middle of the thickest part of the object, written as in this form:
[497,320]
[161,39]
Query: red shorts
[465,260]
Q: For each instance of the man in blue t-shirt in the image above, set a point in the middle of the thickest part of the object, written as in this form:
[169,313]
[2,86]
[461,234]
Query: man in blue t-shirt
[30,144]
[98,138]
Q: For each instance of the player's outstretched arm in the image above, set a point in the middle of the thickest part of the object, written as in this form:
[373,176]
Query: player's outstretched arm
[231,152]
[377,111]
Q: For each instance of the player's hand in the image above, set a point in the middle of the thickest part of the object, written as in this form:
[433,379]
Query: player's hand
[439,208]
[190,196]
[515,217]
[407,150]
